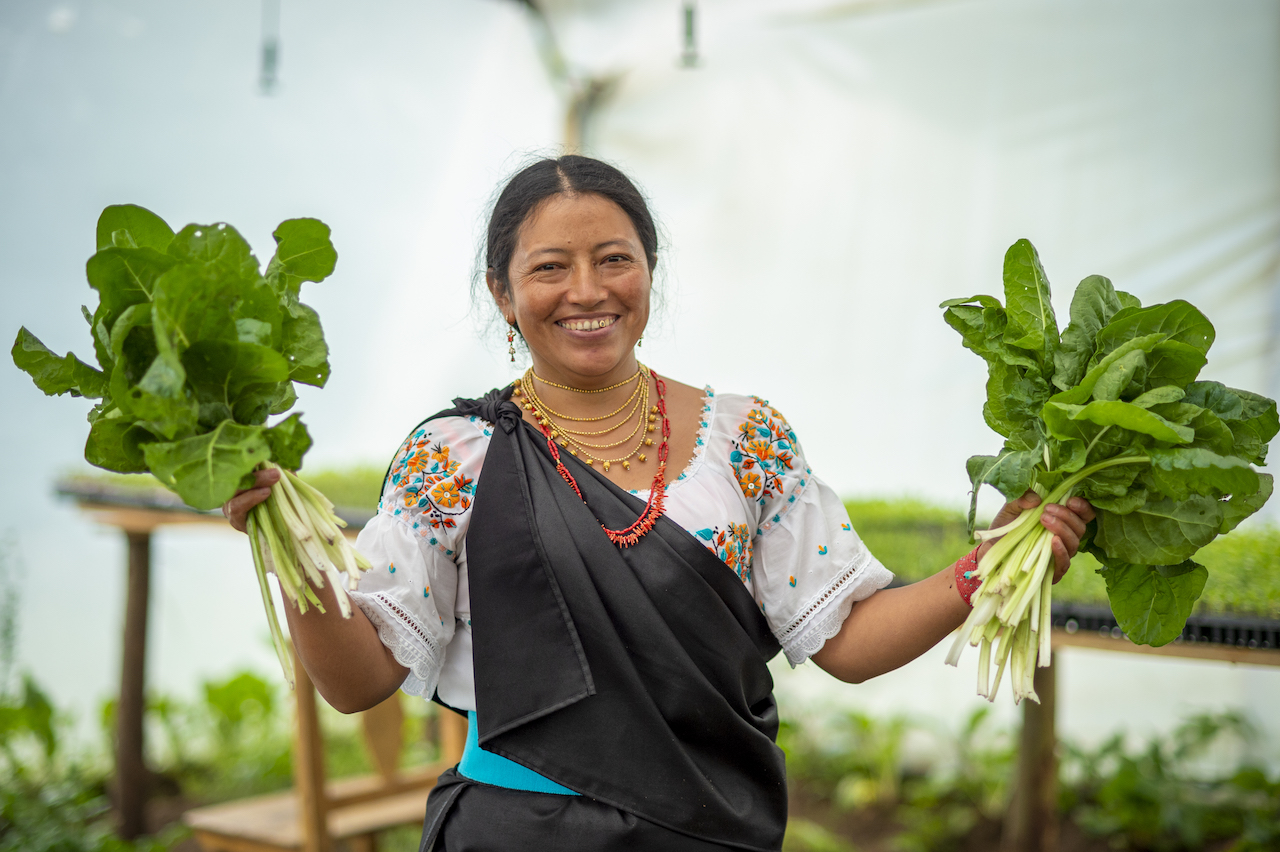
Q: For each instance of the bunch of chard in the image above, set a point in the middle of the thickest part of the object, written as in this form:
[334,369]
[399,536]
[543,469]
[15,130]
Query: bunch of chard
[1110,410]
[197,348]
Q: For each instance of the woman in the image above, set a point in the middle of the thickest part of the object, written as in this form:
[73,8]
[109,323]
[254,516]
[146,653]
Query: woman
[596,562]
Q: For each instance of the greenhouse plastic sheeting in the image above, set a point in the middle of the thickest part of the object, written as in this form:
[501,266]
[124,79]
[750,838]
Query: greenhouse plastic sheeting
[828,172]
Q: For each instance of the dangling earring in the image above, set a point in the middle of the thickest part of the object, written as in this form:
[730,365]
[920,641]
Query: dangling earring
[511,343]
[640,342]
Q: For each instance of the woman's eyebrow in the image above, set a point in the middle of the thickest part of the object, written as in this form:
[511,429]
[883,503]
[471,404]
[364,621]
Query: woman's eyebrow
[558,250]
[618,242]
[547,250]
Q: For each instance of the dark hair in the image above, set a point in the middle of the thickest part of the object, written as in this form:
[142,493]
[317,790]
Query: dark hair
[571,174]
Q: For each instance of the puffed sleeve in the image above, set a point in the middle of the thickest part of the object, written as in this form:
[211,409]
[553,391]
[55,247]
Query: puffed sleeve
[809,567]
[414,541]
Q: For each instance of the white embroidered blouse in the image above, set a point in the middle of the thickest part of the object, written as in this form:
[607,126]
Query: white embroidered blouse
[747,495]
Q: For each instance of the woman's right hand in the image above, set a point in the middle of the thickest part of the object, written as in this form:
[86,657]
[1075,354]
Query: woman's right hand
[237,508]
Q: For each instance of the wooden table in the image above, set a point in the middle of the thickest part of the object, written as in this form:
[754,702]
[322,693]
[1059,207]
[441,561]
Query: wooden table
[138,512]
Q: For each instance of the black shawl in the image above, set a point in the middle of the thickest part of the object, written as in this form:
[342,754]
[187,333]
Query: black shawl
[634,676]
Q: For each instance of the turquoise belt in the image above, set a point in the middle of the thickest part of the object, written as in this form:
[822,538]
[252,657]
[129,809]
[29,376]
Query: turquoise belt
[489,768]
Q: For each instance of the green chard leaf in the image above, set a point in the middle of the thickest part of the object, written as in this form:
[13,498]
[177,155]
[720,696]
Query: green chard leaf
[1123,415]
[217,249]
[1180,472]
[1173,363]
[143,227]
[1152,603]
[1161,532]
[1014,398]
[982,330]
[288,440]
[1161,396]
[1178,320]
[220,370]
[1094,304]
[1242,505]
[1257,425]
[1216,397]
[303,253]
[1113,485]
[1032,324]
[56,374]
[116,444]
[206,470]
[191,305]
[304,347]
[1115,379]
[1083,392]
[1011,473]
[123,277]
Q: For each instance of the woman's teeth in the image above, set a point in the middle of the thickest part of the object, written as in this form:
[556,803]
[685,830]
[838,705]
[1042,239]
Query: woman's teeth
[587,325]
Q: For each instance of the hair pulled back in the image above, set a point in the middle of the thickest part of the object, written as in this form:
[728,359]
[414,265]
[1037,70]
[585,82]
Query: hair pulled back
[571,174]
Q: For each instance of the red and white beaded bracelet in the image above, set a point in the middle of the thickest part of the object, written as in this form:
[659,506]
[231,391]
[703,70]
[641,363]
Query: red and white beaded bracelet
[967,581]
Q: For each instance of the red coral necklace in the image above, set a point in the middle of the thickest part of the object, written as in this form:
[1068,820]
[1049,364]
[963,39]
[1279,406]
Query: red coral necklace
[657,491]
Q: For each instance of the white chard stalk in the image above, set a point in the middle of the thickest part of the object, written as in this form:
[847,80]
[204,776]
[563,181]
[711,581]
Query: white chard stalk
[296,534]
[1012,609]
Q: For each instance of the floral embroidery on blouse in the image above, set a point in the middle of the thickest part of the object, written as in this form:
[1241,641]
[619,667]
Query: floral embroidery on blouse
[430,481]
[733,546]
[762,452]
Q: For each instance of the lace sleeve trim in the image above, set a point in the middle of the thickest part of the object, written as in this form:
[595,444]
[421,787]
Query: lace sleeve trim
[805,635]
[411,645]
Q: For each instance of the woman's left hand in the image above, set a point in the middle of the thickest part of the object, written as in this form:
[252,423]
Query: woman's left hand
[1066,522]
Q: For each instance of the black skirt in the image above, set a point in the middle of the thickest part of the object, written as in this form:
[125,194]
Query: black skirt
[467,816]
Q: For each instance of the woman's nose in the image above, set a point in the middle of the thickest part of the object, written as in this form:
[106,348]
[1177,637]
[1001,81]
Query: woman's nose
[585,285]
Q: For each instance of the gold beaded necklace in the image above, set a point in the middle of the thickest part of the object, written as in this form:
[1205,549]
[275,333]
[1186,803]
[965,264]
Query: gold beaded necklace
[631,378]
[571,439]
[638,398]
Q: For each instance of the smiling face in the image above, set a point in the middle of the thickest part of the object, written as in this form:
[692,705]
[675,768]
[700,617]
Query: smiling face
[579,290]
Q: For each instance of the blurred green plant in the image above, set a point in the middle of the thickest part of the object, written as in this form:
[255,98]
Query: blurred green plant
[858,762]
[805,835]
[353,487]
[9,593]
[1159,799]
[1166,797]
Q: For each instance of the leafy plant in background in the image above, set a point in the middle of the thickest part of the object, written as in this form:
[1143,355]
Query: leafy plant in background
[1110,410]
[50,802]
[197,348]
[1164,797]
[1156,799]
[8,611]
[941,807]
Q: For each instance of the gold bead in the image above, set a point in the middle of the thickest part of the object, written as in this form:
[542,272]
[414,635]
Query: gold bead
[516,391]
[652,418]
[528,407]
[648,442]
[626,465]
[653,410]
[573,452]
[606,467]
[651,428]
[564,443]
[590,462]
[555,434]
